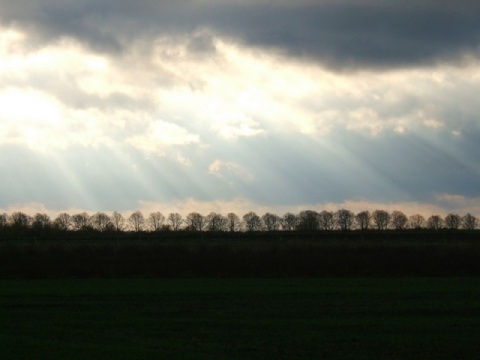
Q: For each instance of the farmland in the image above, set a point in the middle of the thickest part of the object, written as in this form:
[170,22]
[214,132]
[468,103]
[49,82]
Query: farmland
[303,298]
[208,318]
[251,257]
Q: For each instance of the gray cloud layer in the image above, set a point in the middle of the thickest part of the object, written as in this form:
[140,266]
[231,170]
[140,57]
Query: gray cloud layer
[343,34]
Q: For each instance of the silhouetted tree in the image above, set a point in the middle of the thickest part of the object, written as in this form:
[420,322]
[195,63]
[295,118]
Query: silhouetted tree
[399,220]
[326,220]
[233,222]
[3,223]
[195,221]
[100,221]
[271,221]
[381,219]
[453,221]
[469,222]
[308,220]
[136,221]
[344,219]
[289,222]
[252,221]
[80,221]
[118,221]
[40,222]
[175,220]
[416,221]
[19,222]
[435,222]
[155,221]
[363,219]
[216,222]
[3,220]
[62,221]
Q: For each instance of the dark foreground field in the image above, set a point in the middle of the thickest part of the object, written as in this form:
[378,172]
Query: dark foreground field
[330,318]
[238,258]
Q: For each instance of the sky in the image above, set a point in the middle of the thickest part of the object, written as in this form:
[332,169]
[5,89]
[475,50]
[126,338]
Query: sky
[240,105]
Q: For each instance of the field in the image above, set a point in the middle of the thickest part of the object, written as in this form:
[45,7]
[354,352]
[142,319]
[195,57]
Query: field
[262,298]
[242,258]
[290,318]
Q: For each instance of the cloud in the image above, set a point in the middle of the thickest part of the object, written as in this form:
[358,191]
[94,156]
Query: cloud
[229,170]
[279,103]
[39,121]
[340,34]
[460,204]
[162,135]
[232,126]
[233,92]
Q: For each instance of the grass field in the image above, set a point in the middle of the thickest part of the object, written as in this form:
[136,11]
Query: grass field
[289,318]
[237,258]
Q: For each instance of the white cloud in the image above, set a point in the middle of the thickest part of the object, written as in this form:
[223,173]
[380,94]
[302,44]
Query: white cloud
[39,121]
[229,170]
[160,136]
[233,92]
[234,125]
[43,102]
[34,119]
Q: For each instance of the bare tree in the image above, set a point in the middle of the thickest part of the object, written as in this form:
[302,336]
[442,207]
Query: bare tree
[175,220]
[80,221]
[271,221]
[289,222]
[41,221]
[416,221]
[118,221]
[233,222]
[453,221]
[195,221]
[344,219]
[308,220]
[62,221]
[252,221]
[3,220]
[155,221]
[363,219]
[326,220]
[399,220]
[381,219]
[20,220]
[136,221]
[435,222]
[216,222]
[100,221]
[469,222]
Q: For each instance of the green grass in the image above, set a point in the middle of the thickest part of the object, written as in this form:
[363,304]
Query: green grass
[331,318]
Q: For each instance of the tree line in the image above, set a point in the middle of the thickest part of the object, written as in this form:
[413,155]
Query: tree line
[308,220]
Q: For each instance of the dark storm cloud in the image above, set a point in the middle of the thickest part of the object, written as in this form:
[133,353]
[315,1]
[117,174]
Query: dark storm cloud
[372,33]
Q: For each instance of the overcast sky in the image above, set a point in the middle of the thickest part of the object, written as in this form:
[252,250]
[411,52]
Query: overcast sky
[209,105]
